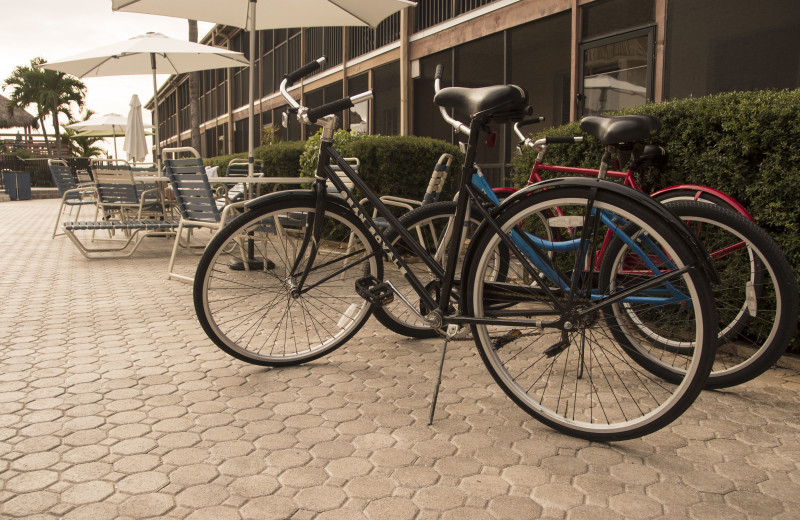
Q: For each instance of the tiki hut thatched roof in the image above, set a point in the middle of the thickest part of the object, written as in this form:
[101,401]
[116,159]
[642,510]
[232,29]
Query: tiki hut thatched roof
[16,119]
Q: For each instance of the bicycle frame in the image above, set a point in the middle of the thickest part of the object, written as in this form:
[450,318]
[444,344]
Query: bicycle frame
[574,244]
[448,275]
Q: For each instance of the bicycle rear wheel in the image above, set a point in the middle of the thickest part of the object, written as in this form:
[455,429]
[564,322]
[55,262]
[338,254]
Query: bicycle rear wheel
[575,374]
[246,287]
[756,298]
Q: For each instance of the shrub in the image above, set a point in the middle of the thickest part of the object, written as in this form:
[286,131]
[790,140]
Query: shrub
[280,159]
[746,144]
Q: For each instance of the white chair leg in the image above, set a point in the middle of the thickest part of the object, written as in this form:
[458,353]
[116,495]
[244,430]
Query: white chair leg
[172,275]
[58,218]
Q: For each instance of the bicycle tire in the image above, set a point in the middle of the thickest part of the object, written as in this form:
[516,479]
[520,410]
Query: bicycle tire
[756,299]
[430,226]
[246,304]
[696,195]
[580,379]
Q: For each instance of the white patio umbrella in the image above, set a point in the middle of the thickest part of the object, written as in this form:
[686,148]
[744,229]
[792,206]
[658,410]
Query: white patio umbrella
[150,53]
[106,125]
[256,15]
[135,144]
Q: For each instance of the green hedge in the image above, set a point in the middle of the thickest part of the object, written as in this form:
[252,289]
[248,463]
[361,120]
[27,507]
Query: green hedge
[280,159]
[390,165]
[746,144]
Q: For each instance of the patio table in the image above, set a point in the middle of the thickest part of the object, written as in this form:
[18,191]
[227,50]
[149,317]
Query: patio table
[252,182]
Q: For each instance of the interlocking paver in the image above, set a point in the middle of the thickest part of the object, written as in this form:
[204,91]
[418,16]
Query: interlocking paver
[115,405]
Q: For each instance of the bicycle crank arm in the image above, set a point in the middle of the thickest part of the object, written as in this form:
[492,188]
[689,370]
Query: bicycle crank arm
[433,322]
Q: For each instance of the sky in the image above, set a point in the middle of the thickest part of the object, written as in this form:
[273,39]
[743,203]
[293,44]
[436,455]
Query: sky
[56,29]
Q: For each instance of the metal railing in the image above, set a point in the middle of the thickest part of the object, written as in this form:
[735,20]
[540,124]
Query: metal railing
[432,12]
[38,169]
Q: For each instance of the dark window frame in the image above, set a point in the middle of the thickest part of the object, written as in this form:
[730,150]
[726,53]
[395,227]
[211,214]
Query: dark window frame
[601,41]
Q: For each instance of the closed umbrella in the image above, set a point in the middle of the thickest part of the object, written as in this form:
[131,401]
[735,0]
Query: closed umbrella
[135,144]
[256,15]
[150,53]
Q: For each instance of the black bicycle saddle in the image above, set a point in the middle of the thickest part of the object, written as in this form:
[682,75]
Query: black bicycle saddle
[501,102]
[621,129]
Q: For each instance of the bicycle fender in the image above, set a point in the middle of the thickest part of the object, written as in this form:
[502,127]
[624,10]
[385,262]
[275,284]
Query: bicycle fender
[705,262]
[733,203]
[278,195]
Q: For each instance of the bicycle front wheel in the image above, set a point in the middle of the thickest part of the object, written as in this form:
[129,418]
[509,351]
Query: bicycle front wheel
[555,343]
[248,293]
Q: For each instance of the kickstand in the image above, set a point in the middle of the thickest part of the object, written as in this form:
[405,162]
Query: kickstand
[441,367]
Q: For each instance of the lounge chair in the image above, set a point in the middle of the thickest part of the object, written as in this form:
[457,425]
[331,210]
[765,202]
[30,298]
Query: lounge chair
[72,193]
[120,196]
[194,198]
[133,229]
[125,206]
[237,192]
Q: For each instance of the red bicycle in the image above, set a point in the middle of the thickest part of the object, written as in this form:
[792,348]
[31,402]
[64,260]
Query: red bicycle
[757,299]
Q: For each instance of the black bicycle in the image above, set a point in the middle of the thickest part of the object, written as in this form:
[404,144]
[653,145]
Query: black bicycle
[298,274]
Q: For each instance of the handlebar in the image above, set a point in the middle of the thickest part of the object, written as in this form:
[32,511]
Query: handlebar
[539,143]
[305,70]
[311,115]
[531,121]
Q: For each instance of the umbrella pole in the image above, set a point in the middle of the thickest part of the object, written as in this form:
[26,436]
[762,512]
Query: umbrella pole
[114,132]
[251,120]
[155,113]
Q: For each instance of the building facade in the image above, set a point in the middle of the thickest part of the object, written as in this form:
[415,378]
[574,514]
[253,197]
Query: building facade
[574,57]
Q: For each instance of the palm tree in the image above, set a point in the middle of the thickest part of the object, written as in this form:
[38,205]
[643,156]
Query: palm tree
[52,92]
[81,146]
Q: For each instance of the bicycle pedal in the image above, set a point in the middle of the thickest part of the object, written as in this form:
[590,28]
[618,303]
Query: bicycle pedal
[506,338]
[556,349]
[374,291]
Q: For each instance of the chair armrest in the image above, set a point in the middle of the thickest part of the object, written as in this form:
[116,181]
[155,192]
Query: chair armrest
[87,189]
[157,191]
[400,202]
[229,207]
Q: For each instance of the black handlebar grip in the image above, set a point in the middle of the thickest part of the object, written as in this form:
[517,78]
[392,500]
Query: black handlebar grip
[438,73]
[329,108]
[303,71]
[531,121]
[559,140]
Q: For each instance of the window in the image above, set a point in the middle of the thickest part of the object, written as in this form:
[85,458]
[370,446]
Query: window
[240,136]
[184,117]
[427,119]
[386,80]
[359,114]
[616,72]
[612,16]
[240,43]
[544,74]
[481,63]
[725,45]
